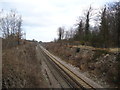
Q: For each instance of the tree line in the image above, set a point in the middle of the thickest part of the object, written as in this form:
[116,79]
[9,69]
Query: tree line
[105,33]
[11,27]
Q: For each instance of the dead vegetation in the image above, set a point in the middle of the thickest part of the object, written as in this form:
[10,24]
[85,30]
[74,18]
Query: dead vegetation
[101,65]
[20,68]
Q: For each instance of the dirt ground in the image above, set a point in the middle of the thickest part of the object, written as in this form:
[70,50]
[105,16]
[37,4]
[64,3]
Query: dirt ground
[100,65]
[21,68]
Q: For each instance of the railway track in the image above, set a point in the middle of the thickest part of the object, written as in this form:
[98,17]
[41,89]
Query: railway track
[62,78]
[72,79]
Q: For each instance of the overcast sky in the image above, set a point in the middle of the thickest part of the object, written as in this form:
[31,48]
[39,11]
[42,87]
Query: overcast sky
[41,18]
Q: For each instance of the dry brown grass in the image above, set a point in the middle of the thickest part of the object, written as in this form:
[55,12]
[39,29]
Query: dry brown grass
[21,69]
[113,50]
[99,62]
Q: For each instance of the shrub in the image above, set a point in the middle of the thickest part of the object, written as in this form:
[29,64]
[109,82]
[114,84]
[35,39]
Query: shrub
[98,53]
[118,57]
[77,50]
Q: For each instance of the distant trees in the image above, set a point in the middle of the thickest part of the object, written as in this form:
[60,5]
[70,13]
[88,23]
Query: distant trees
[110,24]
[10,25]
[83,30]
[105,34]
[114,23]
[87,24]
[79,35]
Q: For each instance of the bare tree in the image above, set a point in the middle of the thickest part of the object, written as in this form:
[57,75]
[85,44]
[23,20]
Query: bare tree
[69,34]
[104,32]
[60,33]
[113,17]
[87,25]
[10,25]
[79,31]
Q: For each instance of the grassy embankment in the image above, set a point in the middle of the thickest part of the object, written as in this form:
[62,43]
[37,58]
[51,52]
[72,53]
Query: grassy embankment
[102,65]
[21,68]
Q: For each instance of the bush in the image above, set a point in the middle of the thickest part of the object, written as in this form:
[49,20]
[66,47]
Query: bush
[77,50]
[82,42]
[118,57]
[98,53]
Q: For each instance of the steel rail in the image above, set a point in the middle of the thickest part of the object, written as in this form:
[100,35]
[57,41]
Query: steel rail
[79,81]
[52,65]
[64,75]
